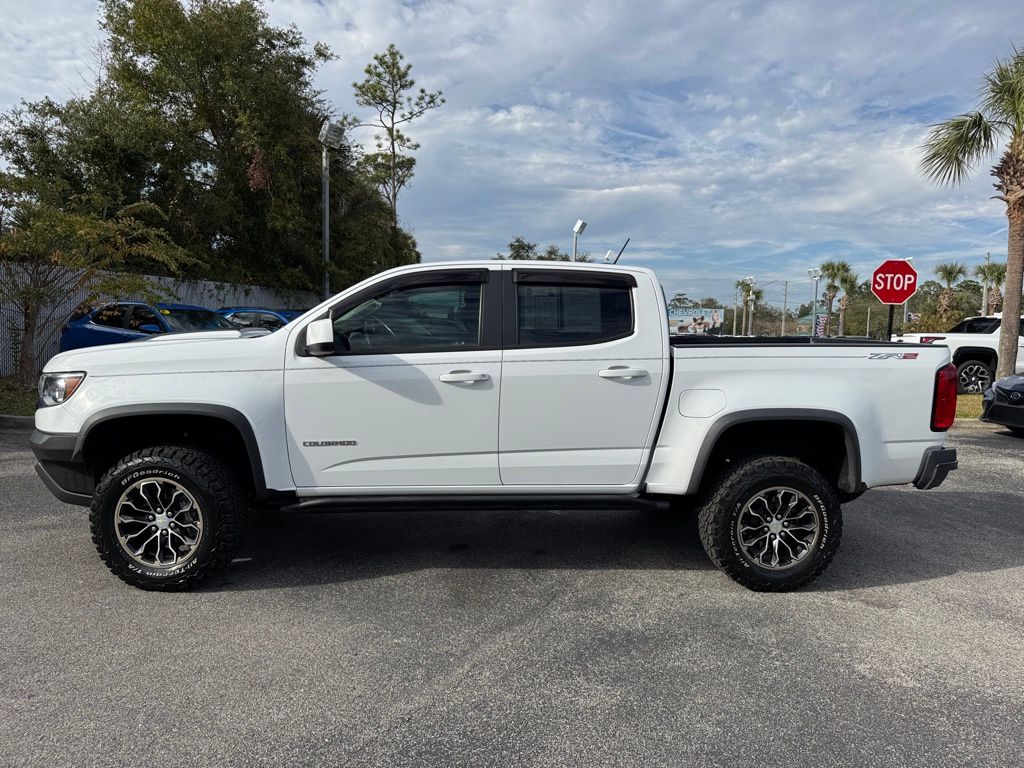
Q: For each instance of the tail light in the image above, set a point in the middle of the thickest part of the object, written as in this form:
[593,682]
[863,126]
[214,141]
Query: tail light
[944,402]
[932,339]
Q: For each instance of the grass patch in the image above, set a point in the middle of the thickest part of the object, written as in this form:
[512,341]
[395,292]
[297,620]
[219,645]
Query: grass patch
[968,406]
[16,401]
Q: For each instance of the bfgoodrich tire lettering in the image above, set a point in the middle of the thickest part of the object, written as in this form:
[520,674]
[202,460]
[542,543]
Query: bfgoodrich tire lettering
[721,514]
[211,491]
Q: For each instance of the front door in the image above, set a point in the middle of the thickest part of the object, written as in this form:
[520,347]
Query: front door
[583,374]
[410,397]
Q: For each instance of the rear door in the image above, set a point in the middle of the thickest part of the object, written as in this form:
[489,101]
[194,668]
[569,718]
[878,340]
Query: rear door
[583,376]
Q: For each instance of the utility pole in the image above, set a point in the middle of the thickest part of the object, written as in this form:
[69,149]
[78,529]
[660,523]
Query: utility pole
[785,304]
[984,285]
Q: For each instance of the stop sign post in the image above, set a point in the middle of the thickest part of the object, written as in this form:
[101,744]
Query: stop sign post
[894,282]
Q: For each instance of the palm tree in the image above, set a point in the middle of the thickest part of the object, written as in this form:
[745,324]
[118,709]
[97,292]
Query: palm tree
[754,295]
[741,287]
[833,272]
[949,273]
[953,150]
[850,284]
[998,278]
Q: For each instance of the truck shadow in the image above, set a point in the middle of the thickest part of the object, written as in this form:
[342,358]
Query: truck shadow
[890,537]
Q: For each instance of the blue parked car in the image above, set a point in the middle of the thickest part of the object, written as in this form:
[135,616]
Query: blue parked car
[260,317]
[131,320]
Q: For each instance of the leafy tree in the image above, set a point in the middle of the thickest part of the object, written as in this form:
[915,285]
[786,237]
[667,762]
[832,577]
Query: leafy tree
[63,227]
[955,148]
[388,89]
[521,249]
[833,272]
[850,284]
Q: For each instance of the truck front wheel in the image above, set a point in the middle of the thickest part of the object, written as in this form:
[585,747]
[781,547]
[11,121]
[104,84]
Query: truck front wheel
[165,517]
[772,524]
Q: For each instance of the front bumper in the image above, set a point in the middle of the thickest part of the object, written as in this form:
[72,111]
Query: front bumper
[59,467]
[998,406]
[935,465]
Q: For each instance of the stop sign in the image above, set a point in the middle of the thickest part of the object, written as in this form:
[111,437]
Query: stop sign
[894,281]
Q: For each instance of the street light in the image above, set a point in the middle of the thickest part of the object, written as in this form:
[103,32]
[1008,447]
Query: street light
[815,275]
[331,137]
[577,230]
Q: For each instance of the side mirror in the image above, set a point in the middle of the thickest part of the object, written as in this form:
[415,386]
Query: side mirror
[149,328]
[320,337]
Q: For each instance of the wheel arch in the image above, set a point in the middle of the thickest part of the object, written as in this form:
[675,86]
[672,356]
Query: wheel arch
[984,354]
[210,414]
[841,462]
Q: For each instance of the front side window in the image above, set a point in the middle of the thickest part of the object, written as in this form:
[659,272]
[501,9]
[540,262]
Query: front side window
[244,319]
[563,315]
[143,316]
[273,322]
[421,318]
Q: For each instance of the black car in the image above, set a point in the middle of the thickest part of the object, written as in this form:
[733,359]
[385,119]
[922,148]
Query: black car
[1003,404]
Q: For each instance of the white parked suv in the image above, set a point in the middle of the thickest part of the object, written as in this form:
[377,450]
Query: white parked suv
[974,345]
[490,384]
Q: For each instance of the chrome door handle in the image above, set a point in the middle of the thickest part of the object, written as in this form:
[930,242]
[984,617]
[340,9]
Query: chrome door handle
[622,373]
[454,377]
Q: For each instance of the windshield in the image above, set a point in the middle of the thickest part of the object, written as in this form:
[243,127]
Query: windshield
[181,320]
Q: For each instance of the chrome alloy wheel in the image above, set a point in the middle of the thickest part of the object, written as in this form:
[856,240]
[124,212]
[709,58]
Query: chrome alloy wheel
[158,523]
[975,378]
[778,528]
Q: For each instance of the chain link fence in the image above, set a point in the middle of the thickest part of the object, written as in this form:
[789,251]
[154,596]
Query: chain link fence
[203,293]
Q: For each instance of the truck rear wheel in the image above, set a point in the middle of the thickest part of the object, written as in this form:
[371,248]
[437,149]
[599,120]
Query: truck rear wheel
[973,377]
[165,517]
[772,524]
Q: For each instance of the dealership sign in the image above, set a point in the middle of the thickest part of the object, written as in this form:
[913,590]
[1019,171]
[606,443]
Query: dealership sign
[690,320]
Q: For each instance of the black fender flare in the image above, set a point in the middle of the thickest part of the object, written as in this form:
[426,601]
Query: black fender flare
[976,353]
[223,412]
[850,477]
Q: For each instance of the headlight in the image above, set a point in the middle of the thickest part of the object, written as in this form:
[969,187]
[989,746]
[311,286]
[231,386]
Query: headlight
[55,388]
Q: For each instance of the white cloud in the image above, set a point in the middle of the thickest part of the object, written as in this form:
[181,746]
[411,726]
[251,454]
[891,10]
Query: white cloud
[726,138]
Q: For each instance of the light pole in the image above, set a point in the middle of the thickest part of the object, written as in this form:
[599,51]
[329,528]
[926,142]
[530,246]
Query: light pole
[815,275]
[577,230]
[331,137]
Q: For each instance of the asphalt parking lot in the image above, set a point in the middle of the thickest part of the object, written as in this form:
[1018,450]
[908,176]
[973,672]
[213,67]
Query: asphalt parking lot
[533,638]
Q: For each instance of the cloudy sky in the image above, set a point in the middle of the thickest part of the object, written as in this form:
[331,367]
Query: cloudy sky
[726,138]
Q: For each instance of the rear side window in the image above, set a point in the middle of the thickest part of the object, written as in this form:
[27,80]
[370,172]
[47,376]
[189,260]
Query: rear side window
[975,325]
[111,316]
[567,315]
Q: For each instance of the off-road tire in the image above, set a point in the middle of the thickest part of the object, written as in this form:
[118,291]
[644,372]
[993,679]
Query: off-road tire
[209,481]
[720,510]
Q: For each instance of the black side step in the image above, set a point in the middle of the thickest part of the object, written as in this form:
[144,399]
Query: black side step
[473,502]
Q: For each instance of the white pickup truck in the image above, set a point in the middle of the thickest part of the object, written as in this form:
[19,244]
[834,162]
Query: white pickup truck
[485,384]
[974,345]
